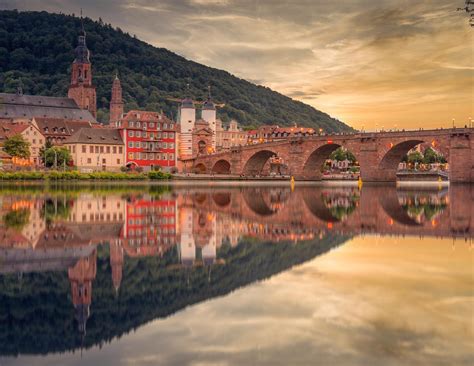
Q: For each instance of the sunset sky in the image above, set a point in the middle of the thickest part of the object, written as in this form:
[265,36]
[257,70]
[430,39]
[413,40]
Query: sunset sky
[404,64]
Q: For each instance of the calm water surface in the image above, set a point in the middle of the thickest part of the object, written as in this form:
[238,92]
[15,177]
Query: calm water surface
[215,275]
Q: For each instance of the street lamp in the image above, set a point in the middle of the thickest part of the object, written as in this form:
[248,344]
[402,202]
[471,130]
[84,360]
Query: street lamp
[453,122]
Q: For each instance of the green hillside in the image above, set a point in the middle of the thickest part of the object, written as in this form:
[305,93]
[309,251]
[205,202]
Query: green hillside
[37,48]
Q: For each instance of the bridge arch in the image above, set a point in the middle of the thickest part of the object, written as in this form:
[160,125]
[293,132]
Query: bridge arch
[256,202]
[221,199]
[313,166]
[254,165]
[395,154]
[221,166]
[200,168]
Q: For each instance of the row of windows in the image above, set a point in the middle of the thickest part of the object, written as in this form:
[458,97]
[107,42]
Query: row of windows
[151,145]
[150,156]
[98,149]
[104,161]
[143,233]
[151,135]
[163,220]
[138,242]
[142,210]
[149,125]
[102,217]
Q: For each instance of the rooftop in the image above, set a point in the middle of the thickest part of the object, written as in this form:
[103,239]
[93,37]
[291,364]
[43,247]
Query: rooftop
[30,106]
[104,136]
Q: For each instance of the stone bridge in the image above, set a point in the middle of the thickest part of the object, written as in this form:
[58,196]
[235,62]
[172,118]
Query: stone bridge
[374,210]
[378,154]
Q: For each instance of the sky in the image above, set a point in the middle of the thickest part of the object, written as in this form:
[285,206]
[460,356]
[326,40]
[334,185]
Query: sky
[372,64]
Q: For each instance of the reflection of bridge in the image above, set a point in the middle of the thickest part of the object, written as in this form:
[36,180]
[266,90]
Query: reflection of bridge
[378,154]
[375,210]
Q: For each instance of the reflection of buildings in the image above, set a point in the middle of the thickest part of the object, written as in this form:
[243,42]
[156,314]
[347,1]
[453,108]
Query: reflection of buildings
[150,226]
[81,276]
[60,232]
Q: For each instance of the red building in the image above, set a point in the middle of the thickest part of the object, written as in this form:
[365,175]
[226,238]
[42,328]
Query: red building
[150,140]
[150,226]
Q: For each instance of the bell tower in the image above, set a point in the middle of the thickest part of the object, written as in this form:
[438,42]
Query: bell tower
[81,88]
[116,102]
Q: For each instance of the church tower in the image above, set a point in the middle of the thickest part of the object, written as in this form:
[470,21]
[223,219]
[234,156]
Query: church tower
[116,263]
[116,102]
[81,276]
[81,88]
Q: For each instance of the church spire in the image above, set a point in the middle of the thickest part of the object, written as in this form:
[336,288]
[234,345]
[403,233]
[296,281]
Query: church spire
[116,101]
[81,88]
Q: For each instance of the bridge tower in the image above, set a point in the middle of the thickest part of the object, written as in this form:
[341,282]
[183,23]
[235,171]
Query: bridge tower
[187,120]
[209,115]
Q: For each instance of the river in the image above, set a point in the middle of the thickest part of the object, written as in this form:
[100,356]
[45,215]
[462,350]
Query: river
[236,274]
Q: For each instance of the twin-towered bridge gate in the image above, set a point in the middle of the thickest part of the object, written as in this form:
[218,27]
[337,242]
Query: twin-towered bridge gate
[378,154]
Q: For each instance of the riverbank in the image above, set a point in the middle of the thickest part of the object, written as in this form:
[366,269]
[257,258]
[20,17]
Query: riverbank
[54,175]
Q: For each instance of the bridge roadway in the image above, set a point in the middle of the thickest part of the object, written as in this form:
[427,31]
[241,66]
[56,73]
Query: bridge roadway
[377,153]
[375,210]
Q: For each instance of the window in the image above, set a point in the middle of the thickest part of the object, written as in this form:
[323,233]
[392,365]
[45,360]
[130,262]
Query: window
[143,134]
[40,141]
[171,145]
[165,135]
[130,123]
[91,149]
[170,135]
[97,149]
[152,125]
[171,156]
[84,148]
[130,133]
[144,124]
[103,161]
[89,161]
[120,149]
[130,144]
[144,145]
[118,161]
[130,155]
[114,149]
[101,149]
[138,124]
[137,144]
[34,141]
[74,149]
[108,150]
[165,125]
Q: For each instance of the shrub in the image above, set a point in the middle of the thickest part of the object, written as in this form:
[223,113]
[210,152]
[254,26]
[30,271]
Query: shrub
[156,174]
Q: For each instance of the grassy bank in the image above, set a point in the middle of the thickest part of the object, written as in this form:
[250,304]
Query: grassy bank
[75,175]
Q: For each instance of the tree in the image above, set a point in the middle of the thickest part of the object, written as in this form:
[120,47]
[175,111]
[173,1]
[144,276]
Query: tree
[430,156]
[415,157]
[42,152]
[341,154]
[17,146]
[59,155]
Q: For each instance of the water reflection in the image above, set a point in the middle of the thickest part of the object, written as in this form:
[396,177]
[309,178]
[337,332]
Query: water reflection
[82,265]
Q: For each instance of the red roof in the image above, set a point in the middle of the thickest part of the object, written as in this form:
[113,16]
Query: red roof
[8,129]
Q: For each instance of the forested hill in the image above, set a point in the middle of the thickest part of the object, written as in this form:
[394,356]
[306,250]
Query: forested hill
[37,48]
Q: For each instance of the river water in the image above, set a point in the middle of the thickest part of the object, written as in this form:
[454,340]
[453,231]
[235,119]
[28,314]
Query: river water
[220,274]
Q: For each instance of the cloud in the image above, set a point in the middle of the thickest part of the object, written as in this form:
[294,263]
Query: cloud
[379,62]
